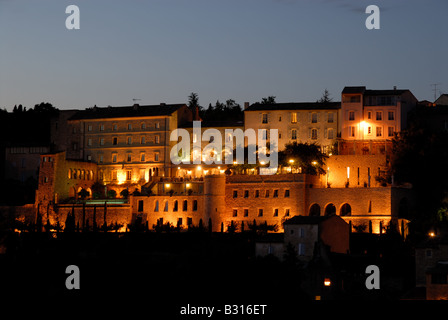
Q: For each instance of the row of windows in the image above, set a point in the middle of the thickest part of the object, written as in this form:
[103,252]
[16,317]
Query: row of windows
[260,212]
[369,131]
[378,115]
[257,193]
[313,117]
[80,174]
[129,141]
[102,127]
[166,206]
[128,157]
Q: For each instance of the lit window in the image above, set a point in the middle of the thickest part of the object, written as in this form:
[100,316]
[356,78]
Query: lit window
[128,175]
[294,117]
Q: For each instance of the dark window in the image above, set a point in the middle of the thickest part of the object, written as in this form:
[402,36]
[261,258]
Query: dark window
[287,193]
[276,193]
[176,205]
[246,193]
[185,205]
[235,212]
[195,205]
[235,193]
[140,205]
[246,212]
[257,193]
[260,212]
[275,212]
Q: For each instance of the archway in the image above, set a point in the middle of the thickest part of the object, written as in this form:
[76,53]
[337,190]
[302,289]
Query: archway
[314,210]
[346,210]
[330,210]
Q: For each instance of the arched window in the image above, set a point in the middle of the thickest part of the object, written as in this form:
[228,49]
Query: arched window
[185,205]
[176,206]
[346,210]
[165,209]
[314,210]
[330,210]
[156,206]
[195,205]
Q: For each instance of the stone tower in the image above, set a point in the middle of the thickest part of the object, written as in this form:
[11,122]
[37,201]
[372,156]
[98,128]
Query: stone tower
[214,200]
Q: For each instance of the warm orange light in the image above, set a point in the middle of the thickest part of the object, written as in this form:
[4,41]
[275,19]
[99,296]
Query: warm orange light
[363,124]
[327,282]
[432,234]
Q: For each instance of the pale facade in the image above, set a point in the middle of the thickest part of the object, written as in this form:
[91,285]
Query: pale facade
[374,114]
[301,122]
[129,144]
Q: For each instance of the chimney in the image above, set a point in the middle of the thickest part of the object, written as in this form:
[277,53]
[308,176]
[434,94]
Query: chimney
[135,106]
[196,116]
[395,88]
[246,105]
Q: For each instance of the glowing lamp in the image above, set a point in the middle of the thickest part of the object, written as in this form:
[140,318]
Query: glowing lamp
[327,282]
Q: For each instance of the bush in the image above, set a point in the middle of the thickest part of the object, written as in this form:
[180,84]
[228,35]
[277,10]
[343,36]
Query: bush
[111,194]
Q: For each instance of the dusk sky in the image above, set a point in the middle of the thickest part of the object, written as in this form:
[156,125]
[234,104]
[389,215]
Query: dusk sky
[162,50]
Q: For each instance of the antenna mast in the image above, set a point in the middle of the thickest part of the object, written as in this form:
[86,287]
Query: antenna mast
[435,90]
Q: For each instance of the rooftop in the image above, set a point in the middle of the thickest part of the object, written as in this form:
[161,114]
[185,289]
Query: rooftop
[126,111]
[294,106]
[363,90]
